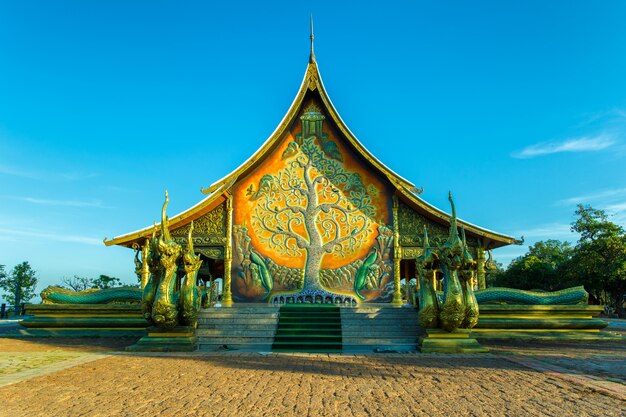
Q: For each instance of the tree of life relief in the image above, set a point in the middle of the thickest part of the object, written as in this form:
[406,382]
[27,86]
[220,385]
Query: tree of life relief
[310,209]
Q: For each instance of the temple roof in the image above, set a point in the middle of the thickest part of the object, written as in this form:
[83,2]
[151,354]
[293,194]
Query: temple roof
[312,85]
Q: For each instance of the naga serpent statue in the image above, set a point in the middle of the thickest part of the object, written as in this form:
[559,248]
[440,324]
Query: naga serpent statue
[458,307]
[165,307]
[428,307]
[60,295]
[141,265]
[165,302]
[156,273]
[452,312]
[190,299]
[500,295]
[466,276]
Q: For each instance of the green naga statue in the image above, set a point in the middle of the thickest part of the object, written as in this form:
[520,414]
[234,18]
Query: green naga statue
[452,311]
[466,276]
[156,273]
[458,307]
[428,307]
[190,299]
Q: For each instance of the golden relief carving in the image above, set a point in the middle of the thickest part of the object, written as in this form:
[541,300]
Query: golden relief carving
[411,252]
[211,224]
[312,75]
[412,226]
[202,240]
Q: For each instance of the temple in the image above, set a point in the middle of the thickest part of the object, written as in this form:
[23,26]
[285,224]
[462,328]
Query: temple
[320,248]
[313,216]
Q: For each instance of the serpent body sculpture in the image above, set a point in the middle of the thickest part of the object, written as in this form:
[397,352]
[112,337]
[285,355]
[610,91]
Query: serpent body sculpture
[452,311]
[466,276]
[361,274]
[428,312]
[165,306]
[263,272]
[60,295]
[190,299]
[154,278]
[574,295]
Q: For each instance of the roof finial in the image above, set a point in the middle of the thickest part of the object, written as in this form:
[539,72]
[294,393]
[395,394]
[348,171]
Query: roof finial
[312,55]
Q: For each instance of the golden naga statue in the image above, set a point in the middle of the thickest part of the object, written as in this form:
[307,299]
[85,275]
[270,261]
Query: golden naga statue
[452,311]
[190,299]
[466,276]
[166,304]
[458,307]
[155,276]
[141,265]
[428,307]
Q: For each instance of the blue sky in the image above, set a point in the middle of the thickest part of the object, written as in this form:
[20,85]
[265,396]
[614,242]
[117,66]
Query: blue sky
[519,108]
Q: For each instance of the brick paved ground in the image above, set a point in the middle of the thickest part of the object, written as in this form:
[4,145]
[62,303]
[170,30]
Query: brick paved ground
[239,384]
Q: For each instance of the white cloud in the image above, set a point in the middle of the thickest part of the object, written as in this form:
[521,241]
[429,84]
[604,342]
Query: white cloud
[41,175]
[65,203]
[616,207]
[582,144]
[547,231]
[12,234]
[7,170]
[599,196]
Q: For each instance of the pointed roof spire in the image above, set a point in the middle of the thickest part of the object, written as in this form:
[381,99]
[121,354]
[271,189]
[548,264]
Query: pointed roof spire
[312,54]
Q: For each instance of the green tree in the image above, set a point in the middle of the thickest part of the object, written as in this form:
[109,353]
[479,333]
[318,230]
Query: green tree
[77,283]
[105,281]
[599,262]
[3,275]
[540,269]
[19,285]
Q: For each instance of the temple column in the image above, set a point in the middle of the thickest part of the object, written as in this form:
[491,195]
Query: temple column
[480,268]
[227,298]
[397,256]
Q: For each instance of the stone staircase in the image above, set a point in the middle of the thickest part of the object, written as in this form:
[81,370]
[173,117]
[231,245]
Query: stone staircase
[238,328]
[379,328]
[314,328]
[360,329]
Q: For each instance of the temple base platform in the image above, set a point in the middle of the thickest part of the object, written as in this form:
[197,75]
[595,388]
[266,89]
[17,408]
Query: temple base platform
[178,339]
[443,341]
[83,320]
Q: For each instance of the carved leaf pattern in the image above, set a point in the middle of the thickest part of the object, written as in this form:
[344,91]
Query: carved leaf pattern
[211,224]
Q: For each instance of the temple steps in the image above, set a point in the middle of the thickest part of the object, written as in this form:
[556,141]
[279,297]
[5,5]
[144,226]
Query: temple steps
[308,328]
[238,328]
[383,328]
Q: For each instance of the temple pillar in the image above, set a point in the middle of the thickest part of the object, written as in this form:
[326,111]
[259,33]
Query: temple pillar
[480,268]
[397,256]
[227,297]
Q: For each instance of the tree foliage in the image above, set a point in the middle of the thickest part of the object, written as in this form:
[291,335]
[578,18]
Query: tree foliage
[539,269]
[105,281]
[597,261]
[77,283]
[19,285]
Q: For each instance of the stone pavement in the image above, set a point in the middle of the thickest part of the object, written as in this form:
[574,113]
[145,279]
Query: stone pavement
[250,384]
